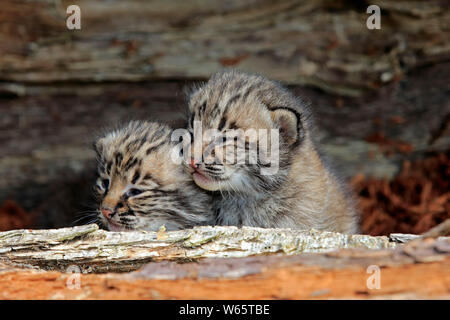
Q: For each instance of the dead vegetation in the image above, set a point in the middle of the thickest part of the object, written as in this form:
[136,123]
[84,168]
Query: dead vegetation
[416,200]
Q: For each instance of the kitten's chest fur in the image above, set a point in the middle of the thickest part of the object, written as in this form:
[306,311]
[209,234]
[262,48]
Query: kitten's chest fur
[258,210]
[309,197]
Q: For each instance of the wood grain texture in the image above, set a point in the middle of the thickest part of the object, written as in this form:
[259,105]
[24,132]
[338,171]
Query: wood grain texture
[322,43]
[104,251]
[417,270]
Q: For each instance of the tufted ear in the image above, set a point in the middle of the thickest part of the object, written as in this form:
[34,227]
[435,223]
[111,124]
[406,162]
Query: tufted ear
[289,122]
[98,146]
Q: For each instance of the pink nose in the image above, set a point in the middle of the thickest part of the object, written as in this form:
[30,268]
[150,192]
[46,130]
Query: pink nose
[193,164]
[107,213]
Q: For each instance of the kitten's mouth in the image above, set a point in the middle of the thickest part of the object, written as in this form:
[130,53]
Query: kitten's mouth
[112,226]
[203,181]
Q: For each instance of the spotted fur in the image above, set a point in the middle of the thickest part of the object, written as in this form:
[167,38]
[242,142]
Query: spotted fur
[142,185]
[303,194]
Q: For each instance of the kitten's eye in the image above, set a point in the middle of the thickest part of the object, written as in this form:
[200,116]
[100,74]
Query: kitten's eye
[226,139]
[181,152]
[133,192]
[105,184]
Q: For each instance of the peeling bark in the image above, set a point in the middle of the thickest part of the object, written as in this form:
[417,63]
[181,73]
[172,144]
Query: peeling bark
[104,251]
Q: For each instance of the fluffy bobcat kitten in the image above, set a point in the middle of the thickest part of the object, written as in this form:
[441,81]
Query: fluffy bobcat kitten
[302,193]
[141,187]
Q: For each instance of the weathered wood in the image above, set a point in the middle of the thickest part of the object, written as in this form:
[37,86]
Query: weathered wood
[341,274]
[297,42]
[442,229]
[402,238]
[104,251]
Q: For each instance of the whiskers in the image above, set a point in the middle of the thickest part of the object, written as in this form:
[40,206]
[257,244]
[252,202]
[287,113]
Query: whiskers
[86,217]
[225,192]
[215,171]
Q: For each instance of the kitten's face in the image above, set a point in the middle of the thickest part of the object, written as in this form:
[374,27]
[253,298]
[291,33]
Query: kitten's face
[224,161]
[141,187]
[231,157]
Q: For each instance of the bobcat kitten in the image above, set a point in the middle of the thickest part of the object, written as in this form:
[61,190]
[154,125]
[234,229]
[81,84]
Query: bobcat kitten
[141,187]
[302,194]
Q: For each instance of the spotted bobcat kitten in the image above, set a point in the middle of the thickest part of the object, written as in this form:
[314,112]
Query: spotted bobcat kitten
[303,193]
[141,187]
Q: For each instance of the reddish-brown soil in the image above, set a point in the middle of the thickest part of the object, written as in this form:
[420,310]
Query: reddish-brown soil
[429,280]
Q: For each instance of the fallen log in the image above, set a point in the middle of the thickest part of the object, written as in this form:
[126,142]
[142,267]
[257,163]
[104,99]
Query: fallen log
[96,250]
[416,270]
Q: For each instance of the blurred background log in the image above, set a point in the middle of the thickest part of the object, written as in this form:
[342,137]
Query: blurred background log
[379,97]
[324,43]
